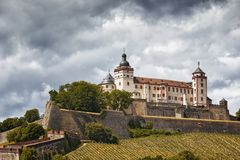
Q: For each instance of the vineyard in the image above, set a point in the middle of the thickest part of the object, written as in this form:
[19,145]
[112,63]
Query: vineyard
[207,146]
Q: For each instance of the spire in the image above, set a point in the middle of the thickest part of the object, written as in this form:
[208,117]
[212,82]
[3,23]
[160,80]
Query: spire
[198,70]
[198,64]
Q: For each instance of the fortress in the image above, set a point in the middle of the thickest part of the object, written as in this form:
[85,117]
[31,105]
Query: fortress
[167,97]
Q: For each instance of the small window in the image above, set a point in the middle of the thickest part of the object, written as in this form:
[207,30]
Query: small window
[128,76]
[201,84]
[191,99]
[176,89]
[201,98]
[163,88]
[184,90]
[173,89]
[163,95]
[169,97]
[175,98]
[202,91]
[158,95]
[157,88]
[153,95]
[181,98]
[149,87]
[201,80]
[191,91]
[141,87]
[154,88]
[119,83]
[181,90]
[136,86]
[106,86]
[128,83]
[168,89]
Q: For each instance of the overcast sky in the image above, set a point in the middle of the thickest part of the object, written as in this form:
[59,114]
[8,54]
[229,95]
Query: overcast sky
[46,43]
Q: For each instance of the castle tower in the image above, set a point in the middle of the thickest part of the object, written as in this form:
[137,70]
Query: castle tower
[199,85]
[123,75]
[108,83]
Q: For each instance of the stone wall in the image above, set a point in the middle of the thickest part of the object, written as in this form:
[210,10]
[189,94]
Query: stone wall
[74,122]
[9,154]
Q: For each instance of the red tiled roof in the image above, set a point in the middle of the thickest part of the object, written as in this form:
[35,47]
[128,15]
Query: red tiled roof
[153,81]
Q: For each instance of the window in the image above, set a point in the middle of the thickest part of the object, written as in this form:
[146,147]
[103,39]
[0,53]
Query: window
[141,87]
[188,91]
[157,88]
[191,99]
[173,89]
[191,91]
[136,86]
[169,97]
[163,88]
[149,87]
[201,80]
[201,98]
[181,98]
[106,86]
[154,88]
[202,91]
[119,83]
[176,89]
[175,98]
[153,95]
[201,84]
[184,90]
[180,90]
[168,89]
[163,95]
[128,83]
[128,76]
[158,95]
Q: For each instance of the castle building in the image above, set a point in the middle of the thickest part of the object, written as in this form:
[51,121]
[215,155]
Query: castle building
[158,90]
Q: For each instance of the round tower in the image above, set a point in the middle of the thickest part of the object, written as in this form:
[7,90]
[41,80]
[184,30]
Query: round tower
[199,85]
[123,75]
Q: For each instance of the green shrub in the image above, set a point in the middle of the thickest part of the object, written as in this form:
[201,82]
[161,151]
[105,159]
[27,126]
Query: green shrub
[98,133]
[59,157]
[29,154]
[149,125]
[184,155]
[135,133]
[32,115]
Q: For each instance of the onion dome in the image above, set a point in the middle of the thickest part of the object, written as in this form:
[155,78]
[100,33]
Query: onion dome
[124,61]
[108,79]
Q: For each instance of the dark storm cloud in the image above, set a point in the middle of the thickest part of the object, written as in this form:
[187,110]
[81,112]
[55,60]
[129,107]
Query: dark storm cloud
[44,44]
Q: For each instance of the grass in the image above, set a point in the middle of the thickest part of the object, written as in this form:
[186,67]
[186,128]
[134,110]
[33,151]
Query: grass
[208,146]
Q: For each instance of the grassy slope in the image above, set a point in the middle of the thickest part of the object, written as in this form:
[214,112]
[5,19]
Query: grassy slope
[205,145]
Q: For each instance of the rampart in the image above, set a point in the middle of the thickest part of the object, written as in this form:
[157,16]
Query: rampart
[74,122]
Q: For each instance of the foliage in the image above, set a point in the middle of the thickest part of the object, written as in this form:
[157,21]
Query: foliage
[134,123]
[238,115]
[98,133]
[205,145]
[149,125]
[26,132]
[29,154]
[184,155]
[59,157]
[82,96]
[11,123]
[32,115]
[138,132]
[119,99]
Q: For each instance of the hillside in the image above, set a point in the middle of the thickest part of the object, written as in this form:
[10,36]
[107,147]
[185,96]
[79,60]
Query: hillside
[205,145]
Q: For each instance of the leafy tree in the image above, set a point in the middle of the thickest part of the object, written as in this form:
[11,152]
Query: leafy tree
[119,99]
[26,132]
[29,154]
[184,155]
[11,123]
[32,115]
[59,157]
[98,133]
[81,96]
[238,115]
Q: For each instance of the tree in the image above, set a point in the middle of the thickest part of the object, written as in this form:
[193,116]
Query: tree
[26,132]
[32,115]
[98,133]
[238,115]
[184,155]
[81,96]
[119,100]
[29,154]
[59,157]
[11,123]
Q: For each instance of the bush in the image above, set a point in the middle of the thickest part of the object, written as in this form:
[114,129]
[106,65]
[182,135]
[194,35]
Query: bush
[149,125]
[32,115]
[184,155]
[136,133]
[59,157]
[98,133]
[25,133]
[11,123]
[29,154]
[137,122]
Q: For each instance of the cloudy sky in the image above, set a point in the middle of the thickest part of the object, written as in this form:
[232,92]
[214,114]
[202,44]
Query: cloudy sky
[46,43]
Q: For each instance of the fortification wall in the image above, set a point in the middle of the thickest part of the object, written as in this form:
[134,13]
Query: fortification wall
[74,122]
